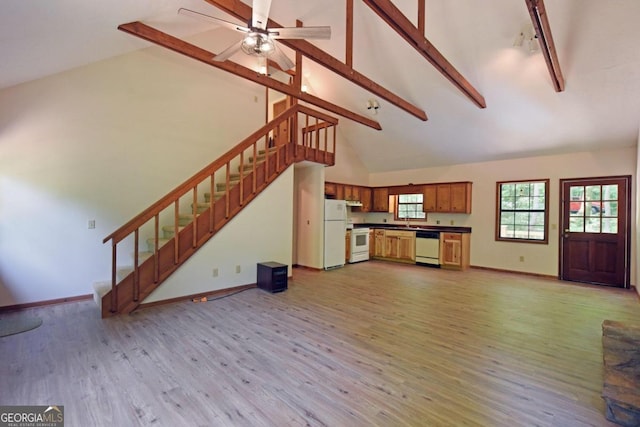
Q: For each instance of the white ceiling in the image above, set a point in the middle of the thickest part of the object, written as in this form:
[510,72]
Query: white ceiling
[597,44]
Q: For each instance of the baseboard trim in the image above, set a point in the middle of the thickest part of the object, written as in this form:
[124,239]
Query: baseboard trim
[46,302]
[217,293]
[304,267]
[523,273]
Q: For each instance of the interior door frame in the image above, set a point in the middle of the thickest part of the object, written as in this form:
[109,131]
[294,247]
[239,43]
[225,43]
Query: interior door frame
[629,223]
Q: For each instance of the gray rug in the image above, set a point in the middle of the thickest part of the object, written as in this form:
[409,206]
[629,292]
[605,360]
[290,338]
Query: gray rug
[20,323]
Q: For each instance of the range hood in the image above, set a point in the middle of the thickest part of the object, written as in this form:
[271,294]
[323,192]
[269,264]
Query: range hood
[353,203]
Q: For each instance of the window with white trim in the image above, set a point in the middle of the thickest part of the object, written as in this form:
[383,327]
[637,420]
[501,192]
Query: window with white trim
[409,206]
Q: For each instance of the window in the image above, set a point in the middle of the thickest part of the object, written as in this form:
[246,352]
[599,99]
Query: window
[409,206]
[593,209]
[522,211]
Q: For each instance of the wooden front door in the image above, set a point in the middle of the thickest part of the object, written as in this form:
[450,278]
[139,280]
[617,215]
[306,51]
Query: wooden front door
[281,133]
[596,233]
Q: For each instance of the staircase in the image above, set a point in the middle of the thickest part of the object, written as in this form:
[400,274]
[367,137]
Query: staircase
[168,232]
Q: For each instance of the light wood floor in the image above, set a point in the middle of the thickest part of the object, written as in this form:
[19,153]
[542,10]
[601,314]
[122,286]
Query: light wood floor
[371,344]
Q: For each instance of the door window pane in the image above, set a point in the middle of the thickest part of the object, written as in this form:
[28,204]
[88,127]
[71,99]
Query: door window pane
[576,224]
[610,225]
[610,192]
[593,209]
[593,225]
[592,192]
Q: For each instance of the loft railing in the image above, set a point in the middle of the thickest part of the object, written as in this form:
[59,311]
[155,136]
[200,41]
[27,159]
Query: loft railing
[258,159]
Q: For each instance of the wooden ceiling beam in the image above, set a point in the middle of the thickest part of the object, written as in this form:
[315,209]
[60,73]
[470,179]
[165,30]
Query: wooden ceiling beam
[242,12]
[422,16]
[405,28]
[168,41]
[543,31]
[349,35]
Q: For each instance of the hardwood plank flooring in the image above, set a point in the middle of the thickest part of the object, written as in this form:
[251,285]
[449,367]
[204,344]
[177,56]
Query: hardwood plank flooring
[370,344]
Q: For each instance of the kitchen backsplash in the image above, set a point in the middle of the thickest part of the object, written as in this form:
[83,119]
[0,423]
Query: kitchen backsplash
[387,218]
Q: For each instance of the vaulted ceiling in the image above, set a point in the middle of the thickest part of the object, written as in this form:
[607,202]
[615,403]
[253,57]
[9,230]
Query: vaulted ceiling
[596,42]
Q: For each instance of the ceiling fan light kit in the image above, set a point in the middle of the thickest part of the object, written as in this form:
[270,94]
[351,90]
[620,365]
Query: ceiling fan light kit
[258,39]
[257,44]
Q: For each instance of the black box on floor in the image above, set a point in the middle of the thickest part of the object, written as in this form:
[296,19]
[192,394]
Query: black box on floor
[272,276]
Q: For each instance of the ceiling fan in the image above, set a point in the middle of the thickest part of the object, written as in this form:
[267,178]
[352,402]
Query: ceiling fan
[259,40]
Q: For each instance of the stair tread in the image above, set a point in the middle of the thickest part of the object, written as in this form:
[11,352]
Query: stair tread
[172,227]
[184,219]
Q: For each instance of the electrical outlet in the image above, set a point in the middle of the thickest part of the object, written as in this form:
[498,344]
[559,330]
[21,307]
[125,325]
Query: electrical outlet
[91,224]
[521,258]
[452,222]
[438,222]
[215,272]
[237,269]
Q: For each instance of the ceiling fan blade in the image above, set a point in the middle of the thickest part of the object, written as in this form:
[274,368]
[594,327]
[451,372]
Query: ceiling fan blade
[228,52]
[213,19]
[260,14]
[280,58]
[300,33]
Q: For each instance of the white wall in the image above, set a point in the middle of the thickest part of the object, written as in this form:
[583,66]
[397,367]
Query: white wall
[261,232]
[348,168]
[103,142]
[485,251]
[309,208]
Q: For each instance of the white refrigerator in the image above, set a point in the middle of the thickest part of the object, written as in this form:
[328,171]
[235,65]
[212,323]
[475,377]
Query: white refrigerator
[335,226]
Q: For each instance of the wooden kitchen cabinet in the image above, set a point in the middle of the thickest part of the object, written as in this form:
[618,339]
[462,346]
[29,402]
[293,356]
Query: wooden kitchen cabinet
[355,193]
[381,200]
[340,192]
[429,198]
[443,197]
[378,243]
[347,246]
[452,197]
[400,245]
[460,197]
[372,243]
[390,246]
[348,192]
[454,250]
[329,189]
[407,247]
[365,198]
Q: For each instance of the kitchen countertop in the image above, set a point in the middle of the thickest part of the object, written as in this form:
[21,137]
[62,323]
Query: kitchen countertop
[441,228]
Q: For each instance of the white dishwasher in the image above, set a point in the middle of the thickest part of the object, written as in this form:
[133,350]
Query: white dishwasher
[428,248]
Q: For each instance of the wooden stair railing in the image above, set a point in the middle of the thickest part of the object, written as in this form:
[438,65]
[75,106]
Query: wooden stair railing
[225,194]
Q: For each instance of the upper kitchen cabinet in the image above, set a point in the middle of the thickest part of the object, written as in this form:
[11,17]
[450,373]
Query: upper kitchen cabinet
[365,198]
[380,199]
[429,198]
[452,197]
[443,198]
[460,197]
[330,190]
[352,193]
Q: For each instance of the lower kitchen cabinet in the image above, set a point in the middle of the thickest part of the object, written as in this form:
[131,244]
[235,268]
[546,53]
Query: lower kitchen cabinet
[372,243]
[407,247]
[454,250]
[378,243]
[347,246]
[399,245]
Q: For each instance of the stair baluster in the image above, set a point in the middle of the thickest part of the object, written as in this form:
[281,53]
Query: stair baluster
[127,294]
